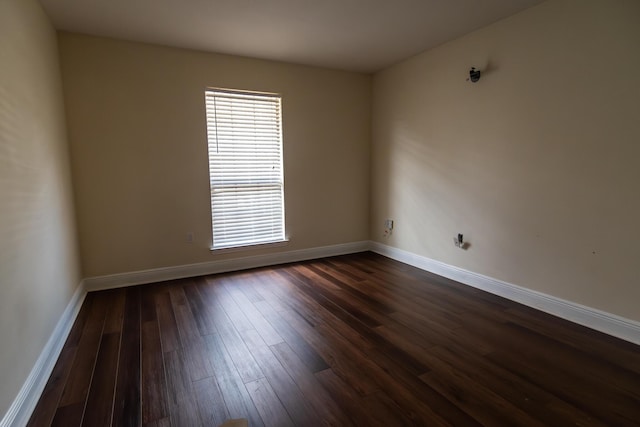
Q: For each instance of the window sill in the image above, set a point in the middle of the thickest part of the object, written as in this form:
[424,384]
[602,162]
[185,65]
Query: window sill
[250,247]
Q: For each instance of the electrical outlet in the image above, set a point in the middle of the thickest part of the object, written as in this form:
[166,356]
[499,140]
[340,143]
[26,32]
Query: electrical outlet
[459,242]
[388,226]
[190,237]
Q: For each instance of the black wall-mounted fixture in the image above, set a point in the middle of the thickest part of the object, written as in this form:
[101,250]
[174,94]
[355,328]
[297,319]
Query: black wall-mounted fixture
[474,75]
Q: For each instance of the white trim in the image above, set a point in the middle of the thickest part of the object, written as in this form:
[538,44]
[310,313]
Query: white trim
[264,245]
[220,266]
[25,402]
[608,323]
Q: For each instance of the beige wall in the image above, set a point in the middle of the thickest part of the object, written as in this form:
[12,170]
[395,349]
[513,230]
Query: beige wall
[39,268]
[537,164]
[139,153]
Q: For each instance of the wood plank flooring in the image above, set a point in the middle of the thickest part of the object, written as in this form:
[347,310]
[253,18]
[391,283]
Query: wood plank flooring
[356,340]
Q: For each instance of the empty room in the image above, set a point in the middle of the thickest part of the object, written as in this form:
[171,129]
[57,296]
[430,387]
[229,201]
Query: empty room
[301,213]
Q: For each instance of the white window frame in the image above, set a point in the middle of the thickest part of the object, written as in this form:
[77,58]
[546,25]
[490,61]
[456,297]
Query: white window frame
[246,177]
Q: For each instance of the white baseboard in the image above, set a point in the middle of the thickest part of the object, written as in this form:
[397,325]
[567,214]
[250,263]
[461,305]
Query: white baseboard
[25,402]
[221,266]
[608,323]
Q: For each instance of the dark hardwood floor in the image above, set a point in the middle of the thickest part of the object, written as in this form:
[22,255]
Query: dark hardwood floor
[351,340]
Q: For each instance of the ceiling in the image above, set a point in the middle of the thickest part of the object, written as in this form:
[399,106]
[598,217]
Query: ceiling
[356,35]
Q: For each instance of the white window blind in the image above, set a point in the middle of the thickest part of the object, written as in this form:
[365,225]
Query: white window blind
[245,168]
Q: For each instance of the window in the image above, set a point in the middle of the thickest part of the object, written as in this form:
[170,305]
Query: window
[244,132]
